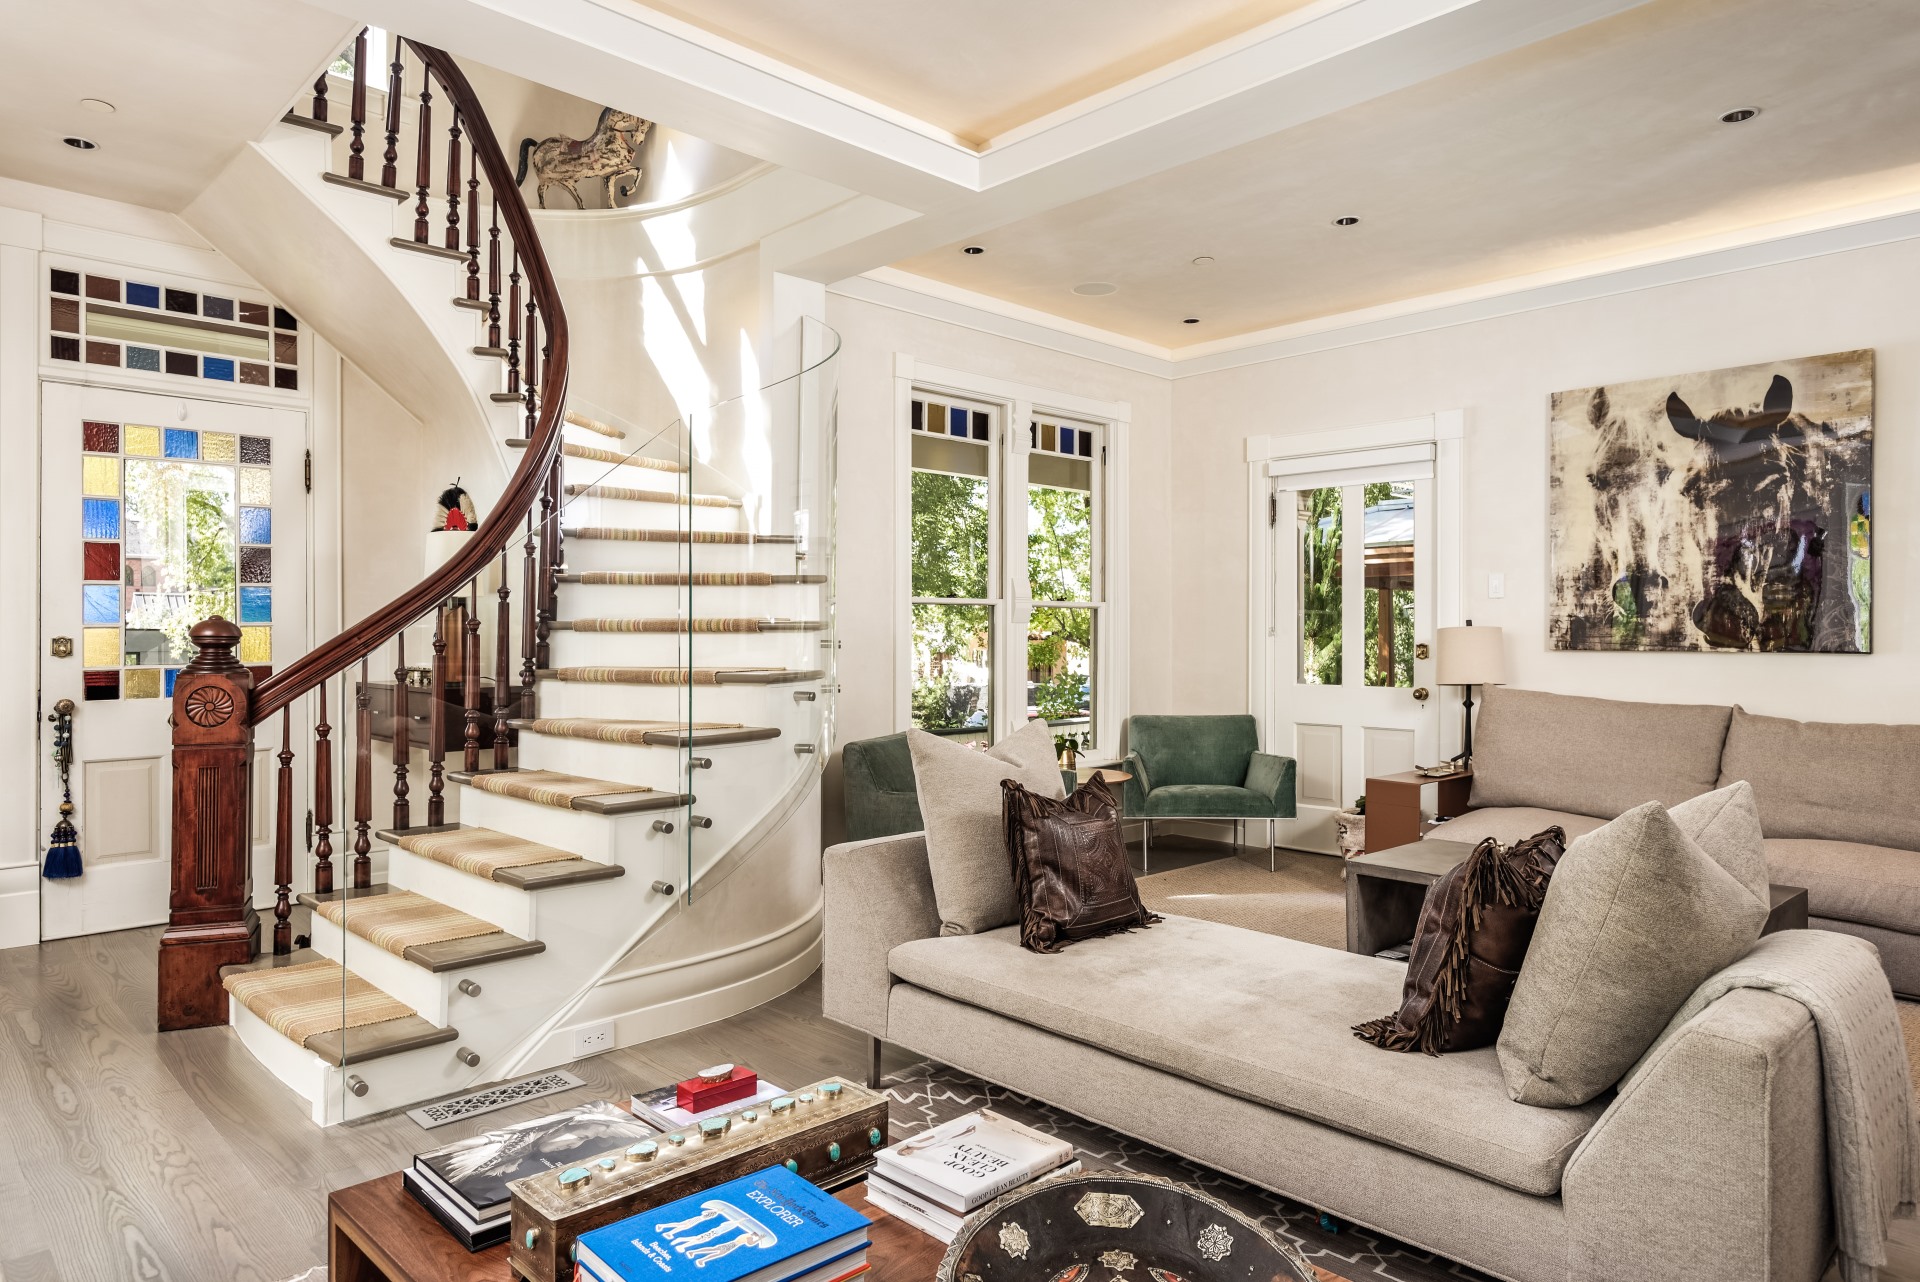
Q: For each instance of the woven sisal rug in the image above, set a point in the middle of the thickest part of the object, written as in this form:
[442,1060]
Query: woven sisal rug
[627,534]
[599,455]
[673,579]
[630,494]
[549,787]
[480,851]
[314,997]
[648,676]
[1304,899]
[400,919]
[615,731]
[666,625]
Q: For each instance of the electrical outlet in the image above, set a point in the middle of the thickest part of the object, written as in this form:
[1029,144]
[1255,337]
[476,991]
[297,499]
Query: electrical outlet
[591,1039]
[1496,586]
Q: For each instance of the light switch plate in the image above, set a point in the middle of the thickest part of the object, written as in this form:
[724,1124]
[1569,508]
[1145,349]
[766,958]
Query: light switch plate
[1496,586]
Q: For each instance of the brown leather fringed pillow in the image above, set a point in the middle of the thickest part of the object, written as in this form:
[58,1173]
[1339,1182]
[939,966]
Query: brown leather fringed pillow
[1070,870]
[1473,934]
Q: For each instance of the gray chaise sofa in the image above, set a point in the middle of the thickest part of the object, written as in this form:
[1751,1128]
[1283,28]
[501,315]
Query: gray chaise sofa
[1840,803]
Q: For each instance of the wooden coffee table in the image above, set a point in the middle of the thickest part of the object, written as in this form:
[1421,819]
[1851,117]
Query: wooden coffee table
[376,1232]
[1385,890]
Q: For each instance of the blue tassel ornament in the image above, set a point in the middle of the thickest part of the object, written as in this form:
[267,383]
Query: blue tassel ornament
[63,845]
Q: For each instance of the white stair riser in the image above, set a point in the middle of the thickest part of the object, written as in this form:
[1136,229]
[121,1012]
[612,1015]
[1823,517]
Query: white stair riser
[635,600]
[572,649]
[748,705]
[720,558]
[628,840]
[395,976]
[593,509]
[575,470]
[299,1069]
[508,907]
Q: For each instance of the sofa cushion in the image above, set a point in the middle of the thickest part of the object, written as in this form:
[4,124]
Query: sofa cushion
[1592,756]
[1637,915]
[1849,881]
[1199,800]
[1266,1019]
[1828,780]
[1726,824]
[960,802]
[1508,824]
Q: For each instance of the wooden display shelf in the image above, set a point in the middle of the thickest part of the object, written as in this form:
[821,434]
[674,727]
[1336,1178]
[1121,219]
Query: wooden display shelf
[1393,805]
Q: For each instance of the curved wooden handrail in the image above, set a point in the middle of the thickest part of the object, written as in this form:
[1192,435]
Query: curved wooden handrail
[522,490]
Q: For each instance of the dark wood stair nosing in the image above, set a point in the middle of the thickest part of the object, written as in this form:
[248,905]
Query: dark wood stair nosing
[556,872]
[670,738]
[438,251]
[318,126]
[388,1037]
[475,950]
[372,189]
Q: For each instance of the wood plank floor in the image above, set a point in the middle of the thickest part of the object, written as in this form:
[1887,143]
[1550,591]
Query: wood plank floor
[126,1155]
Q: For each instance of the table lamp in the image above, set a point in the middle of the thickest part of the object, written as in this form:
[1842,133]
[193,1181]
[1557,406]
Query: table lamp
[1469,657]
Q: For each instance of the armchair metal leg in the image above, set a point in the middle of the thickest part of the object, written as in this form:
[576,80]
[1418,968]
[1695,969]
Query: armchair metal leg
[1146,845]
[874,1045]
[1273,864]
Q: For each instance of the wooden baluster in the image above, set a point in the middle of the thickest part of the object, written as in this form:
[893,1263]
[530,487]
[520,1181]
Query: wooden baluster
[322,802]
[530,358]
[493,279]
[529,622]
[470,675]
[502,664]
[356,158]
[389,168]
[402,737]
[362,781]
[283,843]
[320,98]
[473,224]
[549,552]
[423,167]
[453,182]
[437,724]
[513,326]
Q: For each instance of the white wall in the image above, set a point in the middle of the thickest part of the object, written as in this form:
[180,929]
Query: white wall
[1501,371]
[872,533]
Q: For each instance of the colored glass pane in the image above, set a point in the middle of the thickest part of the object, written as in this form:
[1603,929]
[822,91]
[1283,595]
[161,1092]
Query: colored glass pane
[64,349]
[61,281]
[100,518]
[286,349]
[100,647]
[183,300]
[256,484]
[256,565]
[101,561]
[143,295]
[256,645]
[100,603]
[256,449]
[147,358]
[253,313]
[253,375]
[956,421]
[63,315]
[102,353]
[256,525]
[183,363]
[283,319]
[102,685]
[143,441]
[182,442]
[100,477]
[216,308]
[172,675]
[256,605]
[219,447]
[219,367]
[103,287]
[143,683]
[979,425]
[100,438]
[286,378]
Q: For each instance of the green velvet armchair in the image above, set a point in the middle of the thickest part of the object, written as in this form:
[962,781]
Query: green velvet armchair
[877,778]
[1204,768]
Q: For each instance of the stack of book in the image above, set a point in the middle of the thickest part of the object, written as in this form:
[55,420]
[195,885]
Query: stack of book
[465,1184]
[660,1106]
[933,1180]
[771,1226]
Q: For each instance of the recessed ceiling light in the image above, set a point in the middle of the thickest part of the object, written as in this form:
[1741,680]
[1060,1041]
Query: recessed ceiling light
[1203,260]
[1095,288]
[1739,114]
[1345,220]
[100,105]
[973,249]
[80,144]
[1191,320]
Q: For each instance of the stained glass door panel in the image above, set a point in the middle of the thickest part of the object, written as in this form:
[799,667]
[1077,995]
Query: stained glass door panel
[156,513]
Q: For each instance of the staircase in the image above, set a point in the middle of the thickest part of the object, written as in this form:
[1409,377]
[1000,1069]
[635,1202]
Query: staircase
[658,705]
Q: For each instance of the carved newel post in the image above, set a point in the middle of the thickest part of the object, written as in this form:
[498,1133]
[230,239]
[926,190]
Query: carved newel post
[212,922]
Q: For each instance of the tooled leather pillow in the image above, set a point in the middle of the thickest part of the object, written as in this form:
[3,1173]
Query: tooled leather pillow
[1070,870]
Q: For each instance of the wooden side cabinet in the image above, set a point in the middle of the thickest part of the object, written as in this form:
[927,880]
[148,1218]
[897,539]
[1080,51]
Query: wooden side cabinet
[453,726]
[1393,805]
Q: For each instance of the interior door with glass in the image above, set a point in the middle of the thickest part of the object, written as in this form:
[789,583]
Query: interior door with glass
[156,512]
[1353,557]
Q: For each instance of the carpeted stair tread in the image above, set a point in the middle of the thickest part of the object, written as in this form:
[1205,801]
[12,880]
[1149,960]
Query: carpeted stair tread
[599,455]
[577,419]
[570,792]
[302,1002]
[502,857]
[631,495]
[680,676]
[401,920]
[653,734]
[630,534]
[682,579]
[678,626]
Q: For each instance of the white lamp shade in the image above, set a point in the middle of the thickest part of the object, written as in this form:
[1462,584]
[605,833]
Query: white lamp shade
[1469,657]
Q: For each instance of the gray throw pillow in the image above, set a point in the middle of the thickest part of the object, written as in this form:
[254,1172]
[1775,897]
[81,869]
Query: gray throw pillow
[1637,916]
[1726,824]
[959,791]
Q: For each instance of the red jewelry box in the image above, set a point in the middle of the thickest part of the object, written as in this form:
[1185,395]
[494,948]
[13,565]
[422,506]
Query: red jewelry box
[696,1095]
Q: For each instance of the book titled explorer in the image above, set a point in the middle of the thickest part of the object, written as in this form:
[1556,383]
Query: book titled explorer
[965,1163]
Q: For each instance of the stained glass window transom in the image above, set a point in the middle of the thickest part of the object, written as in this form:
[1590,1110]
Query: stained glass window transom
[130,324]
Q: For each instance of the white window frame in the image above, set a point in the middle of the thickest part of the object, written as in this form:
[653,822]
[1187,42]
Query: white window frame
[1015,406]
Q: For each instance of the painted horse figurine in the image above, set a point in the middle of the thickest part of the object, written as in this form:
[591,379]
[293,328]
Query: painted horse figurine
[608,156]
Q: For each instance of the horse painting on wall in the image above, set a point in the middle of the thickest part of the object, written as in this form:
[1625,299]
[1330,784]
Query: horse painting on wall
[1725,511]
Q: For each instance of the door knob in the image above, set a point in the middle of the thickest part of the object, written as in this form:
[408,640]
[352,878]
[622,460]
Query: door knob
[1420,694]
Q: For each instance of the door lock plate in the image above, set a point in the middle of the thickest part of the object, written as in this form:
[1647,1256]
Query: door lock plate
[61,647]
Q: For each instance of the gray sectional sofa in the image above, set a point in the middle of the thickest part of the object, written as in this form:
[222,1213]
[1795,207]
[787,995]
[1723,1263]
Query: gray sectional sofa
[1839,802]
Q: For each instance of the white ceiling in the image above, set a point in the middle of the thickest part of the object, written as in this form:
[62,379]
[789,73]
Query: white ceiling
[1601,141]
[192,80]
[976,70]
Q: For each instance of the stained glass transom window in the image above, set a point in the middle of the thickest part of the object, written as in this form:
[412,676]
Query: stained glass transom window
[172,527]
[130,324]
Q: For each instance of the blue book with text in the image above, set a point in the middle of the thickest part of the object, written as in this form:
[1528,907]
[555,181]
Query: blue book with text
[765,1227]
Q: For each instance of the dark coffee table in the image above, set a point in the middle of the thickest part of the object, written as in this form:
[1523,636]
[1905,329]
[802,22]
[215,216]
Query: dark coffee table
[1385,891]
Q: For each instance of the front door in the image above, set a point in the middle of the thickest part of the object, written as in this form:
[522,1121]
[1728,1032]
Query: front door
[156,512]
[1353,559]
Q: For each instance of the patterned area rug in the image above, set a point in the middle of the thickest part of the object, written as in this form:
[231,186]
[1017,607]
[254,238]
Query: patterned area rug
[928,1094]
